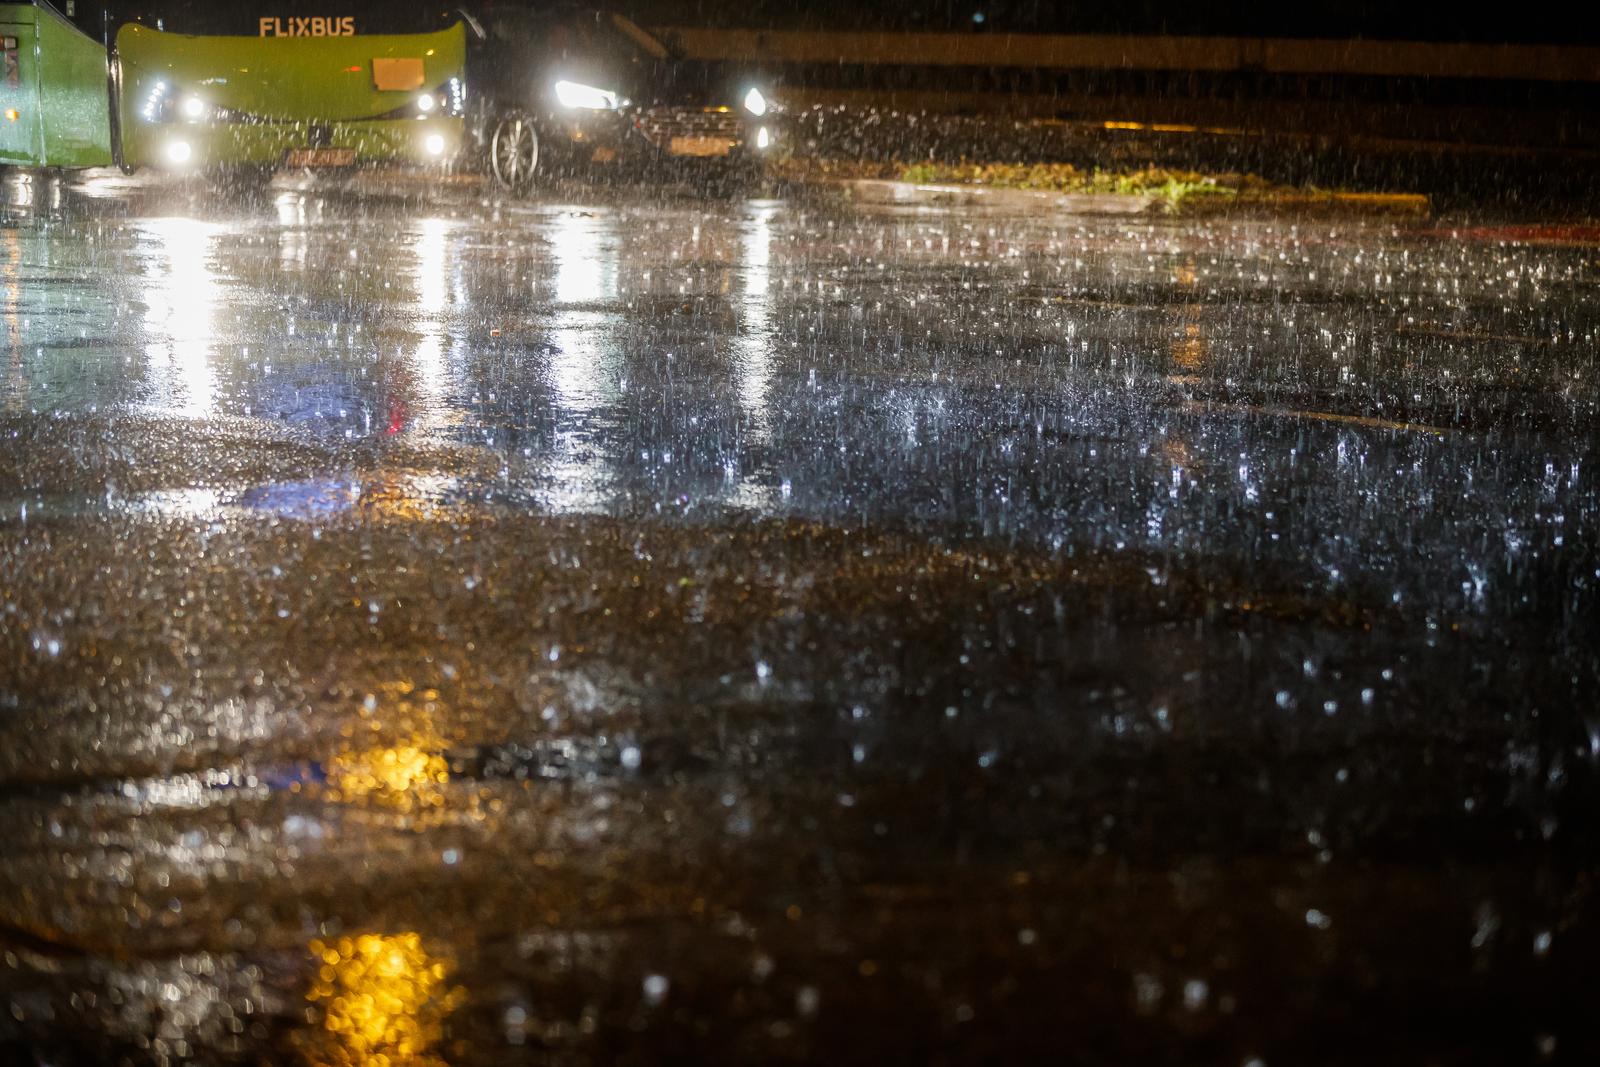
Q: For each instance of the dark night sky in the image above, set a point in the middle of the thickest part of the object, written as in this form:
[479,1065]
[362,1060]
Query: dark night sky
[1435,20]
[1424,20]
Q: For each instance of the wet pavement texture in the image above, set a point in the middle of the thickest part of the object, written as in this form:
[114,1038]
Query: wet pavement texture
[620,628]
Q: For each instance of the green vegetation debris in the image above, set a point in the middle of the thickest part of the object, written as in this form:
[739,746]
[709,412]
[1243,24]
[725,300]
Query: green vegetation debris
[1178,190]
[1176,187]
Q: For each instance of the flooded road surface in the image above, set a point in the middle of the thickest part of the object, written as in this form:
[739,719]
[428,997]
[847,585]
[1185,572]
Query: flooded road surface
[439,630]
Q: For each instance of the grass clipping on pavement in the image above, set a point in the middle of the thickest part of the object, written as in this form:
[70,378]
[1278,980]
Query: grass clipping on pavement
[1176,190]
[1179,188]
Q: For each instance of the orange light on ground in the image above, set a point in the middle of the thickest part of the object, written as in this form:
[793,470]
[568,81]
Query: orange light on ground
[404,776]
[1190,351]
[1169,127]
[383,999]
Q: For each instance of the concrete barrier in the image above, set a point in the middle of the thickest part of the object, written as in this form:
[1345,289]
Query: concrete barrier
[1399,59]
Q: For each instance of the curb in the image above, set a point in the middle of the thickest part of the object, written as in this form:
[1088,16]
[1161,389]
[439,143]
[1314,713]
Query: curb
[887,191]
[881,191]
[1404,205]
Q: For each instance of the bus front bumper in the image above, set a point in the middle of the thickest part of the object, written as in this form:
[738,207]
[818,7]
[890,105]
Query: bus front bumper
[186,147]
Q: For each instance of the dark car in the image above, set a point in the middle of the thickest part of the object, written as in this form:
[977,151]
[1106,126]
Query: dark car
[558,88]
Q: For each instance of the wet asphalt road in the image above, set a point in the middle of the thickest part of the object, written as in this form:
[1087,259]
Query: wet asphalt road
[635,629]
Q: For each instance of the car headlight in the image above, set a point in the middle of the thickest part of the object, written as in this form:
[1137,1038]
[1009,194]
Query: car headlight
[755,102]
[587,97]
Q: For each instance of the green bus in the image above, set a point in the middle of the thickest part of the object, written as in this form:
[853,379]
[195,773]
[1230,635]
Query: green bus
[183,86]
[55,103]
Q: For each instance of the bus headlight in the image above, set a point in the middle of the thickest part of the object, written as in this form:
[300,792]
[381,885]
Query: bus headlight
[179,152]
[155,104]
[165,103]
[755,102]
[447,99]
[587,97]
[434,144]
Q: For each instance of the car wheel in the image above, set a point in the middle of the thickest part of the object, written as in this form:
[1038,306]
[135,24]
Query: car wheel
[514,152]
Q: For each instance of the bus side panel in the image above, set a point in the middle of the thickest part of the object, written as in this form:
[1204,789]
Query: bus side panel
[20,115]
[73,96]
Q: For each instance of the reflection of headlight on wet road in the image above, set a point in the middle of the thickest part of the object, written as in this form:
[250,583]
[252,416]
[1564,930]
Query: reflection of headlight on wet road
[572,94]
[179,152]
[763,138]
[755,103]
[434,144]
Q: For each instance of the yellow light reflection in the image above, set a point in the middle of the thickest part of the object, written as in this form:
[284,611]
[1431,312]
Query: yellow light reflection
[1189,351]
[383,999]
[1171,127]
[399,495]
[180,294]
[404,776]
